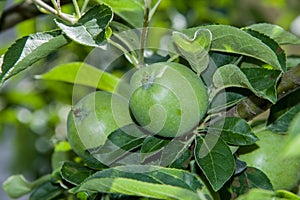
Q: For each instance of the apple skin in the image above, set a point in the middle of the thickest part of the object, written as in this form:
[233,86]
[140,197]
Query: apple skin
[167,99]
[266,155]
[92,119]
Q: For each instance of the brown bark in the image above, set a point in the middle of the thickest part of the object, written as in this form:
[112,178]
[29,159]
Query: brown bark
[253,106]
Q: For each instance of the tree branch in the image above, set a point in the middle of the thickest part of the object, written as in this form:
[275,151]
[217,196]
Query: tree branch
[21,12]
[253,105]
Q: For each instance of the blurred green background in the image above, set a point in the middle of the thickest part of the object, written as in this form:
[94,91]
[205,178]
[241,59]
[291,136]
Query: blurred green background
[33,112]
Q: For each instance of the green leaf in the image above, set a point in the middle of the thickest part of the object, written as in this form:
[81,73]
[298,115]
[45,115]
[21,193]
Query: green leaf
[260,194]
[249,179]
[228,98]
[62,146]
[146,181]
[233,130]
[278,51]
[275,32]
[222,58]
[240,165]
[262,82]
[131,11]
[153,146]
[90,28]
[195,49]
[28,50]
[75,173]
[62,152]
[215,160]
[84,196]
[128,138]
[218,59]
[46,191]
[164,152]
[2,5]
[182,161]
[231,76]
[292,146]
[286,195]
[128,36]
[174,150]
[292,62]
[58,157]
[282,113]
[121,145]
[16,186]
[83,74]
[233,40]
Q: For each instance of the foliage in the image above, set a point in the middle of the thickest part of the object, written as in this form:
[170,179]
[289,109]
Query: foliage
[246,72]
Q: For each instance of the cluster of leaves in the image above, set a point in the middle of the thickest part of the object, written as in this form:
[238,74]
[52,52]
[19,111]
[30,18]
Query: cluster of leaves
[249,63]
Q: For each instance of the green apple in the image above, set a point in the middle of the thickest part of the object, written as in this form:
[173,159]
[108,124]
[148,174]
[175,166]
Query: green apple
[168,99]
[266,155]
[92,119]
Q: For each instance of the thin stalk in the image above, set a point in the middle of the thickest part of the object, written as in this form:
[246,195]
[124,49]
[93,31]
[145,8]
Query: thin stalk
[209,119]
[153,10]
[132,59]
[48,8]
[144,32]
[77,10]
[131,49]
[41,180]
[84,6]
[56,6]
[173,58]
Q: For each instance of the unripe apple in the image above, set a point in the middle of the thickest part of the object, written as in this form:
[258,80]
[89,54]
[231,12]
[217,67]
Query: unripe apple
[92,119]
[266,155]
[167,99]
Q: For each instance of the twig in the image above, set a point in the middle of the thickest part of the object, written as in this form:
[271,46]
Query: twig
[153,10]
[126,44]
[253,105]
[21,12]
[144,32]
[77,10]
[120,47]
[53,11]
[84,6]
[56,5]
[173,58]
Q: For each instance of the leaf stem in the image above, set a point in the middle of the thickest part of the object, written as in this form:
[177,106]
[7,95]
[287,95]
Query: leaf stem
[131,58]
[56,6]
[77,10]
[144,33]
[84,6]
[130,48]
[154,9]
[41,180]
[173,58]
[48,8]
